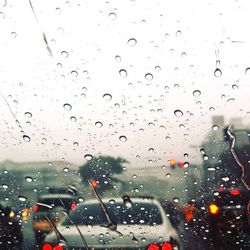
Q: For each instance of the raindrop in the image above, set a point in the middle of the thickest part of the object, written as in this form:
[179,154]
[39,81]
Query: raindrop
[178,33]
[123,138]
[5,186]
[118,58]
[112,201]
[186,164]
[28,114]
[216,193]
[22,198]
[230,100]
[64,54]
[176,199]
[178,113]
[67,106]
[28,179]
[202,151]
[80,199]
[88,157]
[66,170]
[205,157]
[112,16]
[215,127]
[26,138]
[197,93]
[168,138]
[235,87]
[127,201]
[225,178]
[151,150]
[186,155]
[217,72]
[168,175]
[132,42]
[123,73]
[107,97]
[74,73]
[149,76]
[158,68]
[98,124]
[73,119]
[2,15]
[211,109]
[76,144]
[13,34]
[247,71]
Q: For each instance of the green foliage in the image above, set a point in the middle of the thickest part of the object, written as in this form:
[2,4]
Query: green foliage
[101,169]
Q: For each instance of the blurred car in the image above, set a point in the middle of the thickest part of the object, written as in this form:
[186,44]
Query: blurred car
[11,236]
[139,224]
[42,222]
[221,217]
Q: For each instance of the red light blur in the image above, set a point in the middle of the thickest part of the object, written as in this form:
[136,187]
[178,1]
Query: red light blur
[35,208]
[73,206]
[181,164]
[234,192]
[153,247]
[58,247]
[166,246]
[47,246]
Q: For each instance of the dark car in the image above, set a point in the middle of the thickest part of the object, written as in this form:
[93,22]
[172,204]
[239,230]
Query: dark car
[220,218]
[10,230]
[42,222]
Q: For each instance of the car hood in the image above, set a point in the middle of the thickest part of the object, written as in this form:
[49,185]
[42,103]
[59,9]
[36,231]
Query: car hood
[99,237]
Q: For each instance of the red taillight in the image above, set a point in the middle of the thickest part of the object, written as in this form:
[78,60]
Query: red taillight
[35,208]
[166,246]
[73,206]
[234,192]
[47,246]
[58,247]
[213,209]
[153,247]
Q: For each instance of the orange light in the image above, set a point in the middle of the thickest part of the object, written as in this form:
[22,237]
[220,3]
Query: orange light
[234,192]
[153,247]
[93,184]
[213,209]
[172,162]
[166,246]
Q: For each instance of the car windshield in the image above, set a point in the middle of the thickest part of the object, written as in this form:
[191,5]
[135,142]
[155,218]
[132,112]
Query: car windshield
[119,213]
[123,99]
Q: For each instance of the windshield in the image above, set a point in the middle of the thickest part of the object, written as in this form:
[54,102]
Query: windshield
[125,99]
[119,213]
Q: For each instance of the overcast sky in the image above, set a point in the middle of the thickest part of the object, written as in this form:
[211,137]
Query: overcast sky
[149,56]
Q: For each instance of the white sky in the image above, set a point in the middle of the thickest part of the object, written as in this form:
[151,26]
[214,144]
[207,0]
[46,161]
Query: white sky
[32,81]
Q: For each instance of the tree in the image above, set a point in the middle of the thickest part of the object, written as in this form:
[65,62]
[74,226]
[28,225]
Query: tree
[101,170]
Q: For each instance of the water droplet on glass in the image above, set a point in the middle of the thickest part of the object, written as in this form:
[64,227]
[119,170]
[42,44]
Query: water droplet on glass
[28,114]
[67,106]
[28,179]
[186,164]
[216,193]
[5,186]
[176,199]
[112,16]
[107,97]
[217,72]
[73,119]
[66,170]
[211,109]
[230,100]
[123,138]
[215,127]
[123,73]
[88,157]
[235,87]
[118,58]
[205,157]
[247,71]
[186,155]
[225,178]
[168,175]
[127,201]
[151,150]
[64,54]
[149,76]
[74,73]
[98,124]
[178,113]
[197,93]
[112,201]
[202,151]
[132,42]
[13,34]
[26,138]
[22,198]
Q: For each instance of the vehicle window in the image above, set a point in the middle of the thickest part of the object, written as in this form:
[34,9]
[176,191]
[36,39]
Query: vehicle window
[119,213]
[120,100]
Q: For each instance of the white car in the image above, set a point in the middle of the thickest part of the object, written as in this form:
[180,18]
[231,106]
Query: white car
[139,224]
